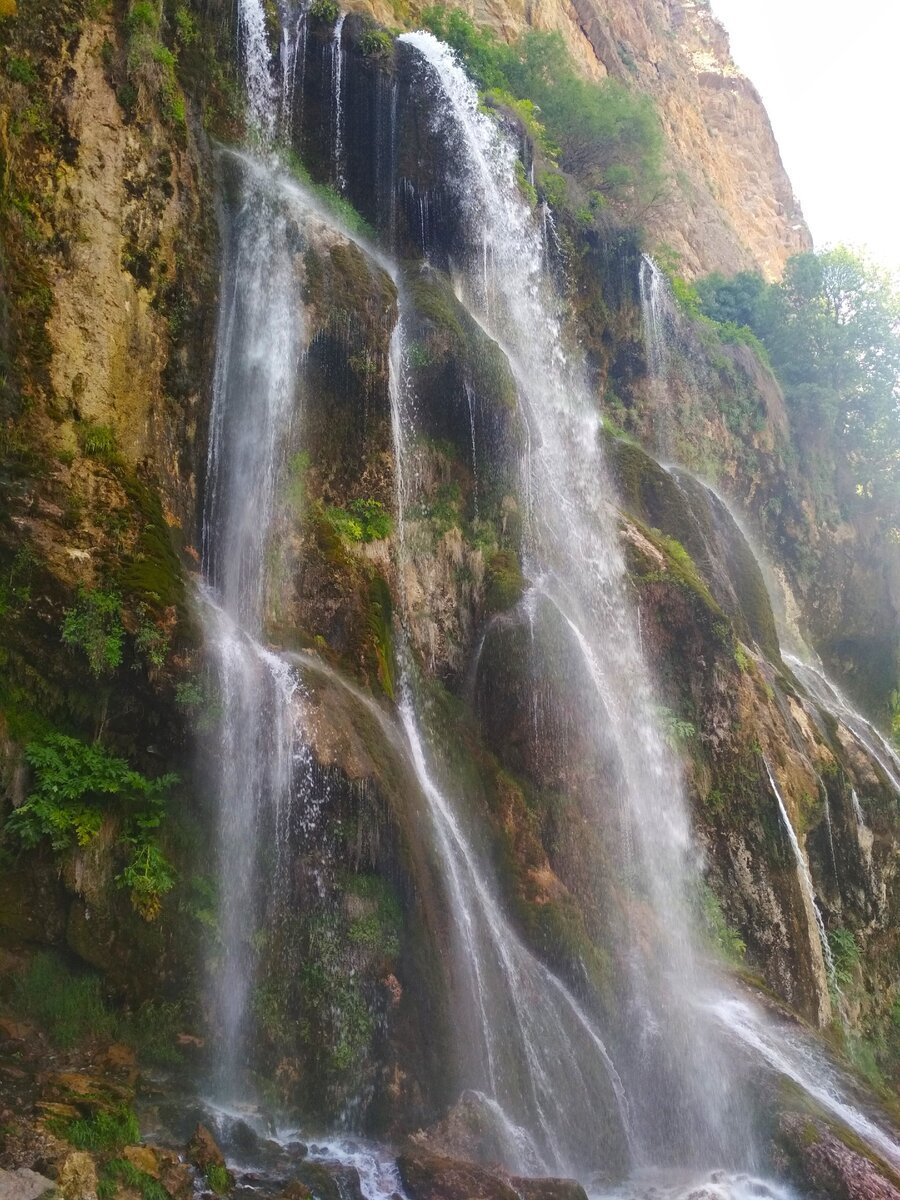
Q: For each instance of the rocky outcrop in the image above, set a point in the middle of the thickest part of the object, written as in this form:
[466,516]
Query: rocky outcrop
[729,204]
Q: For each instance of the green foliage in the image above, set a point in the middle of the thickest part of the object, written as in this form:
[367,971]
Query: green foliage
[217,1176]
[96,441]
[69,1007]
[376,43]
[75,787]
[378,929]
[504,582]
[186,30]
[151,643]
[326,12]
[109,1129]
[606,136]
[15,588]
[20,70]
[336,204]
[333,999]
[845,953]
[676,731]
[148,876]
[362,520]
[721,936]
[380,629]
[742,658]
[143,15]
[94,626]
[118,1172]
[831,330]
[297,470]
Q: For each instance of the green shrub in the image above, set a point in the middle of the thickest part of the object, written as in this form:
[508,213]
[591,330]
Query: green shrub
[845,954]
[504,582]
[376,43]
[70,1007]
[217,1176]
[20,70]
[151,642]
[96,441]
[143,15]
[356,224]
[675,730]
[148,876]
[361,521]
[326,12]
[94,626]
[719,933]
[607,136]
[75,787]
[109,1129]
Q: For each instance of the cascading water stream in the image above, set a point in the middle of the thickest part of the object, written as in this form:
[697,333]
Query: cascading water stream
[653,292]
[337,101]
[572,554]
[803,874]
[259,756]
[528,1042]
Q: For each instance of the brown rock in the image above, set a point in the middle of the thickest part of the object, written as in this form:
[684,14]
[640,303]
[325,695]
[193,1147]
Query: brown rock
[119,1056]
[203,1149]
[548,1189]
[818,1156]
[77,1179]
[295,1190]
[15,1031]
[175,1174]
[435,1177]
[143,1158]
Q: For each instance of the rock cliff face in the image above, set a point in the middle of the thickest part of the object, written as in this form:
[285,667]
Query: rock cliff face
[114,202]
[729,204]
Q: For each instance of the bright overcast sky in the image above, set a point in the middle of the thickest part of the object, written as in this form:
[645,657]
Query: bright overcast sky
[829,74]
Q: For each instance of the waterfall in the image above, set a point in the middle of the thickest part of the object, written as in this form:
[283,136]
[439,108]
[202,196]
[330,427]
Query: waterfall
[527,1042]
[573,558]
[337,101]
[792,1054]
[654,304]
[829,697]
[806,881]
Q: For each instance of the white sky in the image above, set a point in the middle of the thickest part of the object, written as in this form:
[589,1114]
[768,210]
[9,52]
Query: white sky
[829,74]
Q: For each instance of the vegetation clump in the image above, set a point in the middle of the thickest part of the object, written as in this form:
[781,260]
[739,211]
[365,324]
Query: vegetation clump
[831,330]
[94,626]
[606,137]
[76,787]
[363,520]
[108,1129]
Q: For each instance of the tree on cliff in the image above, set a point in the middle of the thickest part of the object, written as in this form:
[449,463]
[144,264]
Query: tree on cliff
[832,331]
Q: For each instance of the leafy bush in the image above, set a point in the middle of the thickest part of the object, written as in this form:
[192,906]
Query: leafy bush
[845,954]
[376,43]
[608,137]
[676,731]
[726,940]
[361,521]
[20,70]
[94,626]
[148,876]
[356,225]
[217,1176]
[151,642]
[75,787]
[326,12]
